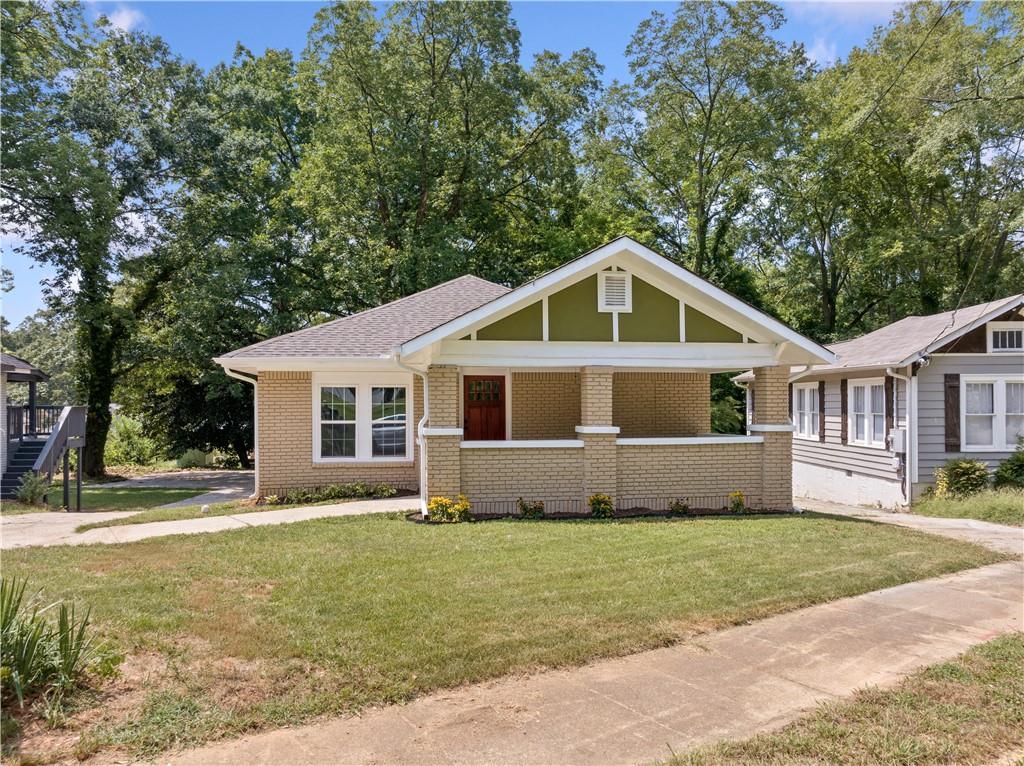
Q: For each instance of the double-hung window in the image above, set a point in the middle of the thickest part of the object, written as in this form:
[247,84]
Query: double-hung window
[867,412]
[361,417]
[992,412]
[806,410]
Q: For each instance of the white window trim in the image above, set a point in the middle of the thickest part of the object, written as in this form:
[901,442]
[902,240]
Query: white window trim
[851,429]
[601,305]
[363,382]
[991,327]
[998,409]
[796,412]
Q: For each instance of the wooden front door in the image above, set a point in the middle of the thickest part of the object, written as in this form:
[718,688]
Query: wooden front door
[483,408]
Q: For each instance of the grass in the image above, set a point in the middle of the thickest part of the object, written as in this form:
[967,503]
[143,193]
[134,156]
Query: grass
[96,499]
[270,626]
[968,711]
[999,506]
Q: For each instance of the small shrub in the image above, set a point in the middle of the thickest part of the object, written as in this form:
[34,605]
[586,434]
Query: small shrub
[127,443]
[33,488]
[444,509]
[356,489]
[737,502]
[227,460]
[960,477]
[1010,472]
[383,491]
[601,506]
[678,508]
[193,458]
[534,510]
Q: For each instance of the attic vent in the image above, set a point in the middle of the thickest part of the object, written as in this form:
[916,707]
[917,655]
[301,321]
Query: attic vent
[614,291]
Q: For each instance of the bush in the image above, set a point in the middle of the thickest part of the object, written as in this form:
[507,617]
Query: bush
[678,508]
[350,491]
[33,488]
[193,458]
[35,655]
[444,509]
[737,502]
[601,506]
[127,443]
[534,510]
[1010,472]
[960,477]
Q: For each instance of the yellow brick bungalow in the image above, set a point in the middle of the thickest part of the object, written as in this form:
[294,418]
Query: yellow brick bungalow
[593,378]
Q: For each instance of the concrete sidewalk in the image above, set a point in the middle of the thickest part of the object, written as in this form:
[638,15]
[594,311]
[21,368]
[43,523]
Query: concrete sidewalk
[728,684]
[46,529]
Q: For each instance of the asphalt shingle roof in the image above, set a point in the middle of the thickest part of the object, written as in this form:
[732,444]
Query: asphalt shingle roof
[375,332]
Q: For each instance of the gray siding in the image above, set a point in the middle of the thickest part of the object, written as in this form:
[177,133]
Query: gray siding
[832,453]
[931,426]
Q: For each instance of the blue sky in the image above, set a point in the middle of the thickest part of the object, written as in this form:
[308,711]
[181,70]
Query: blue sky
[207,32]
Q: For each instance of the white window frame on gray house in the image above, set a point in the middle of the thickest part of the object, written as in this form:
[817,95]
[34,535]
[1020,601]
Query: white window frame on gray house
[874,436]
[1005,338]
[806,412]
[364,384]
[999,417]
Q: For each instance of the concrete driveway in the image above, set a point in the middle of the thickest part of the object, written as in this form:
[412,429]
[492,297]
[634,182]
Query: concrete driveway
[224,486]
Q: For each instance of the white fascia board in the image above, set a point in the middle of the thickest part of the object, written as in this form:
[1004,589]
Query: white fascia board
[1015,302]
[525,444]
[591,261]
[658,441]
[306,363]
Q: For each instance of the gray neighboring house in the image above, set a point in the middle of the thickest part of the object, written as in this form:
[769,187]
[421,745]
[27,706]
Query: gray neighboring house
[872,428]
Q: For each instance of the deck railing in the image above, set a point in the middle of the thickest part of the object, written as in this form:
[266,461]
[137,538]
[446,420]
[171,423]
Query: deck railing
[25,421]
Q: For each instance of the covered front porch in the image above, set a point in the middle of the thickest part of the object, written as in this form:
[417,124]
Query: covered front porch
[641,436]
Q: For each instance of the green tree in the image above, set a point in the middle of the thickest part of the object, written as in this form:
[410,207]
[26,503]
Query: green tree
[91,160]
[47,340]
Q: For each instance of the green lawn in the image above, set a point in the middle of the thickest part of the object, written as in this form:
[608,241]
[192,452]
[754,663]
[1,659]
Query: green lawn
[269,626]
[968,711]
[1000,506]
[106,499]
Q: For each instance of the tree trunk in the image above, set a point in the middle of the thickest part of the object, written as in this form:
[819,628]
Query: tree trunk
[241,449]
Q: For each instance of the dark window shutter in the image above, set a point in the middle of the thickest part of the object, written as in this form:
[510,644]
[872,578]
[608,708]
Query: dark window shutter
[790,402]
[844,424]
[952,389]
[821,410]
[888,408]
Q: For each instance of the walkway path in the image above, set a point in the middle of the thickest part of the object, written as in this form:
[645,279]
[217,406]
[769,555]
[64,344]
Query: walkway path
[727,684]
[45,529]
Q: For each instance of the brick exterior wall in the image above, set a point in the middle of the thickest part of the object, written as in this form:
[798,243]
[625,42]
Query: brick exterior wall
[661,403]
[596,396]
[771,407]
[444,396]
[701,475]
[494,478]
[285,457]
[771,395]
[545,405]
[444,477]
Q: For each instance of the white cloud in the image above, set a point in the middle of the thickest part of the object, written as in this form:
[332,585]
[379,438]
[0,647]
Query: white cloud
[126,19]
[822,52]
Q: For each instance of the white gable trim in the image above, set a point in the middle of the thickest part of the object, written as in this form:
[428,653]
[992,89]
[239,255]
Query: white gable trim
[589,262]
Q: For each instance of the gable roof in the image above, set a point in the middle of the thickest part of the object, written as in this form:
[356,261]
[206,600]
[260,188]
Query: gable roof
[375,332]
[622,245]
[18,370]
[907,340]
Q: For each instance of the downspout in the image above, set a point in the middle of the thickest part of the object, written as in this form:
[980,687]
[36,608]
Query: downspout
[420,440]
[254,380]
[908,439]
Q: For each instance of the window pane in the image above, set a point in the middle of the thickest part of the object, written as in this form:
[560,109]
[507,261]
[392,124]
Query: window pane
[980,398]
[878,428]
[814,425]
[979,430]
[799,400]
[858,398]
[338,440]
[1014,428]
[1015,398]
[812,399]
[337,403]
[388,432]
[860,427]
[878,399]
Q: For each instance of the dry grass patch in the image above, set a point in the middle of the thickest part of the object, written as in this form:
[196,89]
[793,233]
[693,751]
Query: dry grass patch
[272,626]
[968,711]
[999,506]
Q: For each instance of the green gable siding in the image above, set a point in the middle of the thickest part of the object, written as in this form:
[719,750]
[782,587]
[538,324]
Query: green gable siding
[573,314]
[525,324]
[700,328]
[655,316]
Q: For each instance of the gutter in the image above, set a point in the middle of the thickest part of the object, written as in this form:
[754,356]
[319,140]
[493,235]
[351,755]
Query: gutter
[396,356]
[909,438]
[246,377]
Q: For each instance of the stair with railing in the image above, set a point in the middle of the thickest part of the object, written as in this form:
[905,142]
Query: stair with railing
[32,453]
